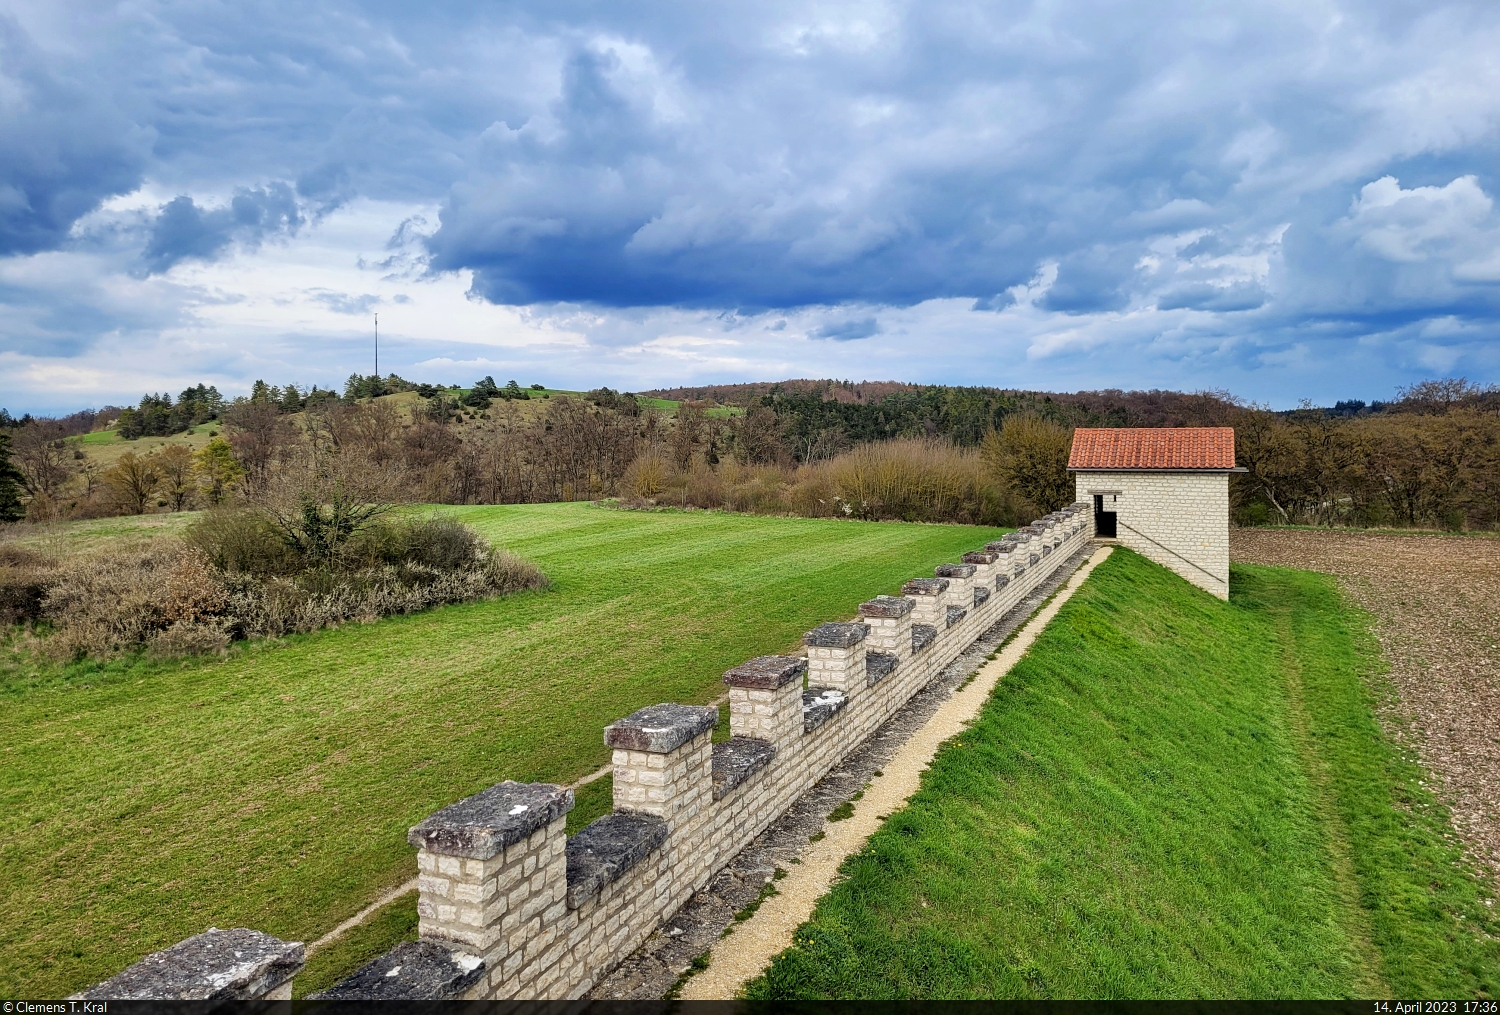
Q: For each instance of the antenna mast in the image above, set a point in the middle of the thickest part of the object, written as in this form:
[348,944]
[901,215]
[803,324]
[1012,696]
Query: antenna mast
[377,346]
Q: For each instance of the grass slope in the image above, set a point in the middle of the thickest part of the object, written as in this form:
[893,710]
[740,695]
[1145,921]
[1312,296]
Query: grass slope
[141,802]
[1168,797]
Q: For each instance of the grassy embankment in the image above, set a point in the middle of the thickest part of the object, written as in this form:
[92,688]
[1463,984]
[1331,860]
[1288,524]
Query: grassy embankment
[1168,797]
[141,802]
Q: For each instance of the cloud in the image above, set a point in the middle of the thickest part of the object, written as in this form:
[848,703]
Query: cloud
[1179,200]
[343,303]
[848,331]
[1206,296]
[185,230]
[64,145]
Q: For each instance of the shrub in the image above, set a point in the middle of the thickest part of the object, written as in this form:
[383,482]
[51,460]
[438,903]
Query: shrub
[1030,455]
[242,540]
[25,578]
[233,579]
[434,542]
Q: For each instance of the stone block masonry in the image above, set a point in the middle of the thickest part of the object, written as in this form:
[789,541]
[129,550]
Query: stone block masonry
[511,907]
[1180,520]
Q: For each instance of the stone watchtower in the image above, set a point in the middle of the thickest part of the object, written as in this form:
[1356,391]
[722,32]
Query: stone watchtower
[1163,492]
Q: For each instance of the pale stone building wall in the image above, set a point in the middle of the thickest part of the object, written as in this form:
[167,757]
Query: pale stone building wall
[1180,520]
[510,906]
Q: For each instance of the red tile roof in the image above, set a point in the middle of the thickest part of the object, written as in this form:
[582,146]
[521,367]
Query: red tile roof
[1188,447]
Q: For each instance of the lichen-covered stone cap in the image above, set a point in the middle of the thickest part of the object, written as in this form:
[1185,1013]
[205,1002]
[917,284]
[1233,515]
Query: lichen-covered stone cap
[836,635]
[766,672]
[985,556]
[890,607]
[925,587]
[411,971]
[954,570]
[218,965]
[480,826]
[660,729]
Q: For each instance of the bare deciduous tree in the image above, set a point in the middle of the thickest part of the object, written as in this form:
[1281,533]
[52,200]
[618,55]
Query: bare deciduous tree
[133,480]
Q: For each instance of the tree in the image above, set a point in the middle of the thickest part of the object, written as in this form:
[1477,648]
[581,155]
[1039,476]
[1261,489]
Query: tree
[291,399]
[42,456]
[175,464]
[258,434]
[134,479]
[11,483]
[758,438]
[217,469]
[1030,454]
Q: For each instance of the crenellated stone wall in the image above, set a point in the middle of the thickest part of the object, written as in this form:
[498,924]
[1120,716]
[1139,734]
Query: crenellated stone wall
[510,906]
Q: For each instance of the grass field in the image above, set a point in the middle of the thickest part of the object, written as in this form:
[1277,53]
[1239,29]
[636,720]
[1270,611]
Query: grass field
[141,802]
[1168,797]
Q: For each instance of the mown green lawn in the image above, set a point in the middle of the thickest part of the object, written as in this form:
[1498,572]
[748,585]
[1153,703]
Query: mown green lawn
[1169,797]
[142,802]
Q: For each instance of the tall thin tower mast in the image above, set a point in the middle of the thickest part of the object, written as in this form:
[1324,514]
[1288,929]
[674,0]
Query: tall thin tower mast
[377,345]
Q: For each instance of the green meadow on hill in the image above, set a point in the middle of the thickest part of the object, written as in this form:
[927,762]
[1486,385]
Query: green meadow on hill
[1168,797]
[142,801]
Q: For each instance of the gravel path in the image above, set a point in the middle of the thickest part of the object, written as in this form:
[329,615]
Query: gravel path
[700,923]
[1436,600]
[754,943]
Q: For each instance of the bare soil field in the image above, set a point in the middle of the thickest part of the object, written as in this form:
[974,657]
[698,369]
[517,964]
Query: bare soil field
[1436,600]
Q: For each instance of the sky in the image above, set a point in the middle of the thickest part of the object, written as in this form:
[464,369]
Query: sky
[1283,200]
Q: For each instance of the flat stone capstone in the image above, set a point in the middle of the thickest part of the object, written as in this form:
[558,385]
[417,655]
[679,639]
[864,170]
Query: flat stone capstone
[891,607]
[819,704]
[981,595]
[480,826]
[411,971]
[736,759]
[980,557]
[660,729]
[836,635]
[922,635]
[608,848]
[879,665]
[925,587]
[955,614]
[955,570]
[218,965]
[1001,581]
[766,673]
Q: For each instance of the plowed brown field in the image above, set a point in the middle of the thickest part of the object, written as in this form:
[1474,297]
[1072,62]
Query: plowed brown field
[1436,600]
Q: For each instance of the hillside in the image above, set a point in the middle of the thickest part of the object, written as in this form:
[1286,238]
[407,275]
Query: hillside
[1168,797]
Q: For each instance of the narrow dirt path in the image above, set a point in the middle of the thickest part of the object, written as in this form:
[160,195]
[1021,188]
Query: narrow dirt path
[746,951]
[1356,919]
[1436,601]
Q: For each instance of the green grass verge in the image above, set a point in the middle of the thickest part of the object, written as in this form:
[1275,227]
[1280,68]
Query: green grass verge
[1169,796]
[141,802]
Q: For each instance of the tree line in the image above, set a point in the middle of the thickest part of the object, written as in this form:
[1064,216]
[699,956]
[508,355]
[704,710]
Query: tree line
[1428,458]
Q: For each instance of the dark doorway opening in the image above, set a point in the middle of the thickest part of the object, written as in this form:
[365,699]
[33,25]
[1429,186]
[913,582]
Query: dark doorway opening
[1104,521]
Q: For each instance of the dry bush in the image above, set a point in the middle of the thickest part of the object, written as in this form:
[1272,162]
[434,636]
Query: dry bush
[645,477]
[25,577]
[230,581]
[1029,455]
[915,480]
[918,480]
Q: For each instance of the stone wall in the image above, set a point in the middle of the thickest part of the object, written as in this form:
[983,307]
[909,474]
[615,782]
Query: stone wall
[1180,520]
[510,906]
